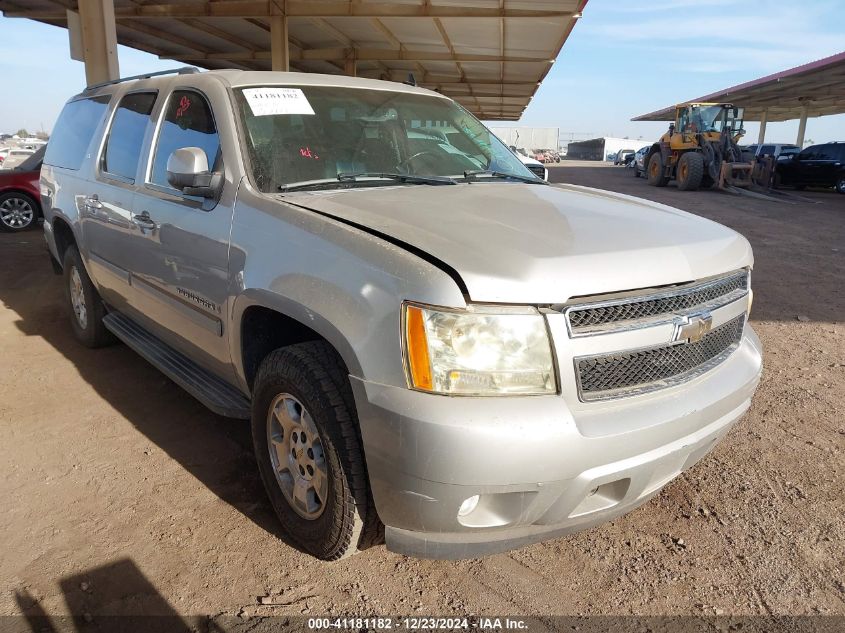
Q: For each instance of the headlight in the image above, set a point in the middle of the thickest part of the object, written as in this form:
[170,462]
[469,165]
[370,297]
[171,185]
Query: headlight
[475,352]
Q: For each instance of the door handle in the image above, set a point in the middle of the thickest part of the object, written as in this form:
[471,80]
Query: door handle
[93,204]
[144,220]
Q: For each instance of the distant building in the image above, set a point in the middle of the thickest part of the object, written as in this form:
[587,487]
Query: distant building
[603,147]
[528,137]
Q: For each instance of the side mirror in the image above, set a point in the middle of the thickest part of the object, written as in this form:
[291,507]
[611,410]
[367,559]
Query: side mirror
[187,171]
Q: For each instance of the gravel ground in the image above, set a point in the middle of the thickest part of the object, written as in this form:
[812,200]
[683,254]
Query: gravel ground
[122,495]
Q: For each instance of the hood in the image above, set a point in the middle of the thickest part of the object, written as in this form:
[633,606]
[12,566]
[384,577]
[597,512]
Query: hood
[523,243]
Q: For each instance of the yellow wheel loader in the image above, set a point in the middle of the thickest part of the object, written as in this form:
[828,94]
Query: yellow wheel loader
[700,149]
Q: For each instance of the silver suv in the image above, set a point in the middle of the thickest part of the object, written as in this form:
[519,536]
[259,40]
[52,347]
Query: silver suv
[434,346]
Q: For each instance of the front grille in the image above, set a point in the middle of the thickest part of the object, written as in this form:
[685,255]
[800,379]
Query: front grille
[630,373]
[538,170]
[621,313]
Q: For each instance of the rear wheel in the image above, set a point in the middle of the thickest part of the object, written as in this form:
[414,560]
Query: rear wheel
[86,307]
[308,448]
[840,184]
[654,171]
[690,171]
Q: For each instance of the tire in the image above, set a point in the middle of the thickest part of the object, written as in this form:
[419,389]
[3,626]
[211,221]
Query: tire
[304,409]
[840,184]
[84,304]
[654,171]
[690,171]
[18,211]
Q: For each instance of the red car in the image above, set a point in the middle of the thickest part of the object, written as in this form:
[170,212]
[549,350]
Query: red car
[20,197]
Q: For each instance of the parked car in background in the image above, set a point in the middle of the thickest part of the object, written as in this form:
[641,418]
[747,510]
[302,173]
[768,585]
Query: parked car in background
[433,349]
[623,156]
[815,166]
[20,198]
[15,157]
[638,164]
[536,167]
[539,155]
[770,149]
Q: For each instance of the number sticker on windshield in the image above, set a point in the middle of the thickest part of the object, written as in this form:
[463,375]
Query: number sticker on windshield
[268,101]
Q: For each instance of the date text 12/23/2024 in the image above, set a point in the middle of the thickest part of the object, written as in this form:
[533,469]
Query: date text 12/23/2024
[419,623]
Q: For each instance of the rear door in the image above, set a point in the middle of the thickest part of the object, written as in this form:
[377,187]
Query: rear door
[107,219]
[828,165]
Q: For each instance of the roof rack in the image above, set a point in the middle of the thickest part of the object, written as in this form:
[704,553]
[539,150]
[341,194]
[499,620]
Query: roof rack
[184,70]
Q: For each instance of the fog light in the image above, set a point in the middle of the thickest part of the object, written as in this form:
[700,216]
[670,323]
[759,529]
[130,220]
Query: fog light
[468,505]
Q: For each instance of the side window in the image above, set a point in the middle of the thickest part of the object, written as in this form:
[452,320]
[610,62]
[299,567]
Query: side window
[808,154]
[188,122]
[126,136]
[825,152]
[767,150]
[73,131]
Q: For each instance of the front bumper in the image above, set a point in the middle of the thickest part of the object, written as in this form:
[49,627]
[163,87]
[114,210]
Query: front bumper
[540,470]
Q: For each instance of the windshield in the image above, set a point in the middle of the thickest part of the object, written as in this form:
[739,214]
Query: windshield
[315,133]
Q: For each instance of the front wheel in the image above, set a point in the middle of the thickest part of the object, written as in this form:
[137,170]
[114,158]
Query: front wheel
[690,171]
[308,447]
[840,184]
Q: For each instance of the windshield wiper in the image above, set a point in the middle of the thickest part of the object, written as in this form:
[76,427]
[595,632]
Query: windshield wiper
[408,178]
[471,174]
[349,179]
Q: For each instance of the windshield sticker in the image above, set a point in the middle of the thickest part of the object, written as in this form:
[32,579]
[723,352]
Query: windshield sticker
[269,101]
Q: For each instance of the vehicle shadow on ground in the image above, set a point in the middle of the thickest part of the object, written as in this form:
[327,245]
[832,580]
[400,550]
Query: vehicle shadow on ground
[215,450]
[799,246]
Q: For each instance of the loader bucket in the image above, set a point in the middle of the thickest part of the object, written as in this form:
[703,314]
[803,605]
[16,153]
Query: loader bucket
[735,175]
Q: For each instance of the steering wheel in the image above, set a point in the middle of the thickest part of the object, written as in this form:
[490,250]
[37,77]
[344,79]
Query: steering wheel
[407,162]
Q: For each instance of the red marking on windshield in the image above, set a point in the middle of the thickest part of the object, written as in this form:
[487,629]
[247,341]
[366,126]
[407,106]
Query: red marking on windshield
[184,104]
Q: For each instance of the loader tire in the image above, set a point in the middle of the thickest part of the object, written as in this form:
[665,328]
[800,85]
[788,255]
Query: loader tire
[690,171]
[654,171]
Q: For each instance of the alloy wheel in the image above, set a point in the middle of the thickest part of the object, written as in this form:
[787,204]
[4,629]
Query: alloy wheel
[296,453]
[77,298]
[16,213]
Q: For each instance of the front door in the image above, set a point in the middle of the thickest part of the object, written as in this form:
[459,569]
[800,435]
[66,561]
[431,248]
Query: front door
[182,279]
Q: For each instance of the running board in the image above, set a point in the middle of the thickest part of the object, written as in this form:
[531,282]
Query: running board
[213,392]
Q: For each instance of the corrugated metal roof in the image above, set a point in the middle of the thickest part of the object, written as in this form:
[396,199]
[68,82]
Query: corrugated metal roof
[819,86]
[489,55]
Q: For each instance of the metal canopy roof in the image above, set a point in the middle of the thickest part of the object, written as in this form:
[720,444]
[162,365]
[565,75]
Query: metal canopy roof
[489,55]
[818,87]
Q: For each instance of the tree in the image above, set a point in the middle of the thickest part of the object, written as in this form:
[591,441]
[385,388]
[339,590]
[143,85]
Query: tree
[22,132]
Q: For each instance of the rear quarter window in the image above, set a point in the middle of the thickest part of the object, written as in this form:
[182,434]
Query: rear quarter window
[74,130]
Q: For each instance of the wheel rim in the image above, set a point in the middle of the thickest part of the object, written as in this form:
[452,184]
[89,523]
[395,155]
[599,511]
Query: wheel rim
[77,298]
[16,213]
[297,456]
[653,169]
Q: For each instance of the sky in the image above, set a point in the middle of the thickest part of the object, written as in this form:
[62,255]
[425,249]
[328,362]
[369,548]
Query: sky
[624,58]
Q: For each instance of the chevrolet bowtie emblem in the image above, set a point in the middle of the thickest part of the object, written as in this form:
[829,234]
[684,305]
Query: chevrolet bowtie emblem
[693,327]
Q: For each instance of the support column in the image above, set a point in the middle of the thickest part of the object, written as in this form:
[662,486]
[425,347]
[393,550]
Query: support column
[802,126]
[763,119]
[99,41]
[350,66]
[279,49]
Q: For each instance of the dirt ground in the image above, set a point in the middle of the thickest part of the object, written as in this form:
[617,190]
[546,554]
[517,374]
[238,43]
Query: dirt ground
[120,494]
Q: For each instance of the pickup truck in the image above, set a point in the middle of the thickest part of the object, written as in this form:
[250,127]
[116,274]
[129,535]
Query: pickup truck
[434,347]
